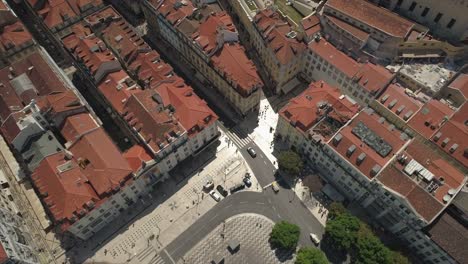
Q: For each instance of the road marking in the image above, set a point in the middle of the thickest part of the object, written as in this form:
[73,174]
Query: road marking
[259,203]
[244,202]
[274,208]
[229,205]
[269,201]
[216,215]
[279,215]
[264,162]
[169,255]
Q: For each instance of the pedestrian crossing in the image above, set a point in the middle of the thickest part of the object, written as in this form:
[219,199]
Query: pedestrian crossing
[238,137]
[157,260]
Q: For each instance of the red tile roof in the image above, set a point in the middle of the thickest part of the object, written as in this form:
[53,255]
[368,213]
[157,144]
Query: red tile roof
[149,68]
[384,135]
[311,25]
[53,12]
[461,84]
[33,68]
[10,128]
[192,112]
[310,106]
[80,6]
[14,35]
[370,76]
[67,191]
[145,112]
[93,52]
[396,100]
[77,125]
[136,156]
[207,34]
[451,236]
[374,16]
[423,202]
[117,87]
[3,254]
[430,118]
[173,10]
[453,136]
[118,34]
[59,102]
[355,31]
[427,204]
[231,59]
[274,30]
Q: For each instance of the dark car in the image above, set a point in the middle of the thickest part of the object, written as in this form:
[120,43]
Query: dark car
[247,182]
[252,152]
[222,191]
[236,188]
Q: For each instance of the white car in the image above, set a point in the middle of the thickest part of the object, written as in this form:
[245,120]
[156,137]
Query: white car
[314,238]
[215,196]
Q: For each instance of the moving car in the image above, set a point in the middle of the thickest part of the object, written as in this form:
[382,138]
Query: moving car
[247,182]
[215,196]
[222,191]
[315,239]
[275,186]
[252,152]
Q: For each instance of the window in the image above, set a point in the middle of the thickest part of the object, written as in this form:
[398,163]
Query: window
[425,11]
[413,5]
[451,23]
[438,17]
[399,2]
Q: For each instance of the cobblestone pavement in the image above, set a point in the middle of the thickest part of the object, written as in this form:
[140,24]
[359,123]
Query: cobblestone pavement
[251,231]
[175,205]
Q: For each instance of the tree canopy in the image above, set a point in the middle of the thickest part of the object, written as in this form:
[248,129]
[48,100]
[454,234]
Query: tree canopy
[310,255]
[342,230]
[285,235]
[290,162]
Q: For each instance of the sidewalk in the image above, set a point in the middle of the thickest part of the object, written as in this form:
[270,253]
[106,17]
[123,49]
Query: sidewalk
[314,206]
[160,219]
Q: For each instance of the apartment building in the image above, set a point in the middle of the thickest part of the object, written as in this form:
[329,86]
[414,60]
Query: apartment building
[446,19]
[362,81]
[280,50]
[164,113]
[456,92]
[15,240]
[405,184]
[15,40]
[59,16]
[207,40]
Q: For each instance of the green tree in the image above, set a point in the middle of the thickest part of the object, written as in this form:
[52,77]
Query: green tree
[310,255]
[285,235]
[369,249]
[398,258]
[290,162]
[336,209]
[342,231]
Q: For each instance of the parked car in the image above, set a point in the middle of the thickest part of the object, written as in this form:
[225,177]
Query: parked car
[247,182]
[252,152]
[237,187]
[215,196]
[315,239]
[208,186]
[275,186]
[222,191]
[247,175]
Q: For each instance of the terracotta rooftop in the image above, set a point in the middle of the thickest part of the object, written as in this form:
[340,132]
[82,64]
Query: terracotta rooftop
[415,173]
[192,112]
[68,193]
[53,12]
[60,102]
[400,102]
[93,52]
[275,30]
[451,236]
[76,126]
[461,84]
[80,6]
[14,35]
[207,34]
[118,34]
[353,30]
[151,69]
[10,128]
[430,118]
[136,156]
[232,60]
[370,76]
[368,142]
[32,77]
[3,254]
[311,25]
[173,10]
[318,100]
[453,136]
[145,112]
[117,87]
[374,16]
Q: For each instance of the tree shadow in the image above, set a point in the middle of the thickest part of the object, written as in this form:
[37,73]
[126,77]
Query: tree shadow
[333,254]
[282,254]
